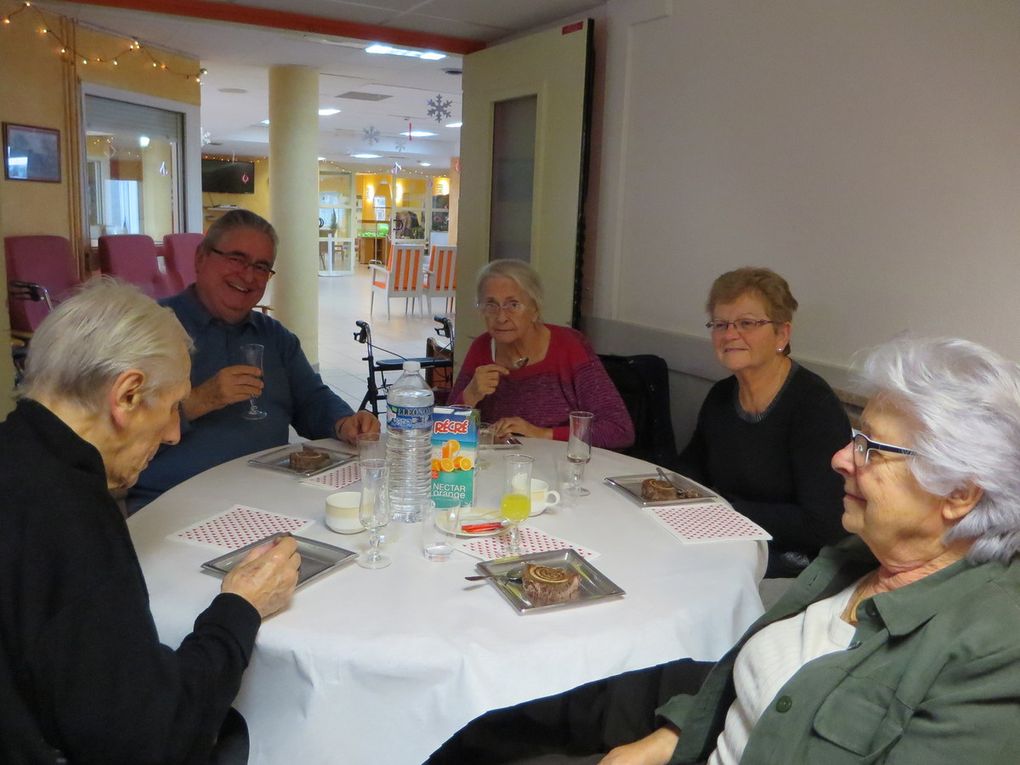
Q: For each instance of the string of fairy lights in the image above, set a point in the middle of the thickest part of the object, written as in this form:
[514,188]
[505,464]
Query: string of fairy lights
[27,12]
[134,51]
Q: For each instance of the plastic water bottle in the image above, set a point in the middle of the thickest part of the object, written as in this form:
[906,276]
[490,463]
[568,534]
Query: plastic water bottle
[409,444]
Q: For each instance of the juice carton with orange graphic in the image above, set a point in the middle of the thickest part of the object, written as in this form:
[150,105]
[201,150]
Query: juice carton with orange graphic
[454,453]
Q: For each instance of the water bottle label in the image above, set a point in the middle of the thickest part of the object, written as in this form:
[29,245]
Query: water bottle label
[409,417]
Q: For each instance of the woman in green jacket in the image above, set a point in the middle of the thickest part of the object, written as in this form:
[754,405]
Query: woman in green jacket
[898,645]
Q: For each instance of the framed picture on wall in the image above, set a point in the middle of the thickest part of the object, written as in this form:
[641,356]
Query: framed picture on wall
[31,153]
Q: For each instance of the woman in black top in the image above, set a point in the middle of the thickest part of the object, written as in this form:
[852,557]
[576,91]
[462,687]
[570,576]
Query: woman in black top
[766,433]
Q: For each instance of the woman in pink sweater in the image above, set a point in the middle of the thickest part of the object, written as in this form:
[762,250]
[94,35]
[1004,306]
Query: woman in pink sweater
[527,376]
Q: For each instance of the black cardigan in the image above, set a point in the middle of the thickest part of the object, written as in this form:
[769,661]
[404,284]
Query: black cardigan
[776,471]
[82,672]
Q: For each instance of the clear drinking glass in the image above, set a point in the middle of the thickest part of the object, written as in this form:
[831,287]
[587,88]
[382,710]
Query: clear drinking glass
[374,511]
[486,438]
[440,523]
[371,446]
[516,502]
[251,354]
[579,449]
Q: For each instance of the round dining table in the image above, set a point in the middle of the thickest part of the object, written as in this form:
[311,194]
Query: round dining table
[382,666]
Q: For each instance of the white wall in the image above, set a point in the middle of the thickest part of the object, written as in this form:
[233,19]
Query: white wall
[868,150]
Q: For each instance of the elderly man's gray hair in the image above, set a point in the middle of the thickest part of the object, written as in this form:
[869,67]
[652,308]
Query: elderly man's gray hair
[965,400]
[107,328]
[236,219]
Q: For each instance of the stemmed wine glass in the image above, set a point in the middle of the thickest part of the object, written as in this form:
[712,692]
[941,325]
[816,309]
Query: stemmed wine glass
[251,354]
[516,503]
[579,450]
[374,511]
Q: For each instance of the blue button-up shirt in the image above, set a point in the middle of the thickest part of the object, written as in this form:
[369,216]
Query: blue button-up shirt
[294,394]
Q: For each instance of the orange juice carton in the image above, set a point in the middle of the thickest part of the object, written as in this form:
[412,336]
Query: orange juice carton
[454,454]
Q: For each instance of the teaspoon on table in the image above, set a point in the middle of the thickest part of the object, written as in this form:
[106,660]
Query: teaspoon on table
[515,578]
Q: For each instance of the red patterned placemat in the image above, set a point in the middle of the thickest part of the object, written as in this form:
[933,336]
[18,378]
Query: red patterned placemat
[709,522]
[337,478]
[532,541]
[238,527]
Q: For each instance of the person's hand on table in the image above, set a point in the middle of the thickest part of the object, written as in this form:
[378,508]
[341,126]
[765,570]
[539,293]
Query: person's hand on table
[510,426]
[228,386]
[654,749]
[349,428]
[267,576]
[485,381]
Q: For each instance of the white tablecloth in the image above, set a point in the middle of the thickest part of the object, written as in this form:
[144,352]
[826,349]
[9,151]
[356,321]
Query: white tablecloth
[382,666]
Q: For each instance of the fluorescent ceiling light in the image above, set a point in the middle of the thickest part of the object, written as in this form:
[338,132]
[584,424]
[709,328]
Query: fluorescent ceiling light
[322,159]
[264,122]
[387,50]
[366,156]
[417,133]
[425,164]
[454,124]
[328,112]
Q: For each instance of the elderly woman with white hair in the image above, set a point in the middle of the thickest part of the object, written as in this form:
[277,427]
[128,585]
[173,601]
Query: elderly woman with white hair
[83,676]
[897,645]
[526,376]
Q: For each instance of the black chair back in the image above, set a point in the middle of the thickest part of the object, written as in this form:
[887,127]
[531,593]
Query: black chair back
[643,383]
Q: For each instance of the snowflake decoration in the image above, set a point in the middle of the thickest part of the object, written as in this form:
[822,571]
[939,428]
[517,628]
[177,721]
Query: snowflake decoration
[370,135]
[206,137]
[439,107]
[397,167]
[400,146]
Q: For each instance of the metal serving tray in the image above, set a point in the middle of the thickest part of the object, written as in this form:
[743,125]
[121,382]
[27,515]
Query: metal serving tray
[317,558]
[279,459]
[630,485]
[595,586]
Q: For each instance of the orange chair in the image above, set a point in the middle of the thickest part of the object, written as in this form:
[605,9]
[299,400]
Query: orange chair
[441,276]
[179,254]
[401,278]
[41,271]
[132,257]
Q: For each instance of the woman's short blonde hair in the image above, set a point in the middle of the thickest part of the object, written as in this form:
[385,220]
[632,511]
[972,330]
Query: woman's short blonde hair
[107,328]
[517,271]
[773,289]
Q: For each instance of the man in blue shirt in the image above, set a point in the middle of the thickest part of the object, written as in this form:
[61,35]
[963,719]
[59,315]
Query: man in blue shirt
[233,265]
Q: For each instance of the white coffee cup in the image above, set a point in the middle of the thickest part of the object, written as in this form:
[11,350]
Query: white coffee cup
[542,496]
[342,512]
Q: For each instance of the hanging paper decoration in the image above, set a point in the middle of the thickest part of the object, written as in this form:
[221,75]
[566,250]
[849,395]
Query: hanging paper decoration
[397,167]
[206,136]
[370,135]
[439,108]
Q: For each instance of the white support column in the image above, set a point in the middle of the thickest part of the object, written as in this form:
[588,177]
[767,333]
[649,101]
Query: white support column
[294,199]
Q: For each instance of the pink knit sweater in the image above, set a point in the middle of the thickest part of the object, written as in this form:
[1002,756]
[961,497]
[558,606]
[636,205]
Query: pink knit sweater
[570,377]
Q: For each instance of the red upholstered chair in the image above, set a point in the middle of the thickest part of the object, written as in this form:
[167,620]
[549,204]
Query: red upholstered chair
[441,276]
[401,278]
[179,254]
[132,257]
[41,271]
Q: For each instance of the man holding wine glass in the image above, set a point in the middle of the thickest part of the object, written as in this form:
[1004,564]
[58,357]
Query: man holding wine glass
[233,266]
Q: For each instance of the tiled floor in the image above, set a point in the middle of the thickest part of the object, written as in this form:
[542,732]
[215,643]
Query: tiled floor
[344,300]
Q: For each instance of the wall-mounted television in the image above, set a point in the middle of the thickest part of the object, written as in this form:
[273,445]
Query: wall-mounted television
[221,176]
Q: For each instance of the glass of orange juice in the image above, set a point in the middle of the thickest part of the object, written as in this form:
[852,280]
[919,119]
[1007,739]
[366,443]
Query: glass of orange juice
[516,502]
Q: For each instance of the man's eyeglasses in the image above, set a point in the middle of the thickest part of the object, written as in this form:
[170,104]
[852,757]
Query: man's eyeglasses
[240,261]
[864,446]
[492,308]
[741,325]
